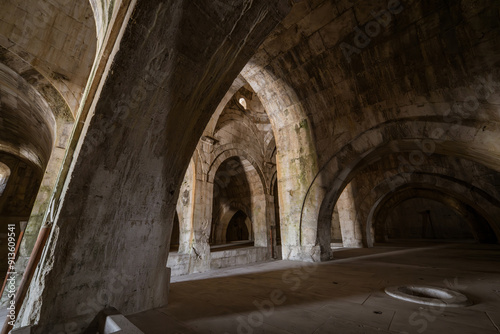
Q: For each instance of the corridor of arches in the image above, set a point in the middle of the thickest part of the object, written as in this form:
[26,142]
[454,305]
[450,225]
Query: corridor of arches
[157,140]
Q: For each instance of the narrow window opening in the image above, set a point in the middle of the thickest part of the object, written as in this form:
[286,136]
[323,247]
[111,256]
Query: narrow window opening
[243,102]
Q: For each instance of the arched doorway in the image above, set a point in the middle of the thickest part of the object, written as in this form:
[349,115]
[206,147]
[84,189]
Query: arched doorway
[428,213]
[422,218]
[277,229]
[238,191]
[237,229]
[336,231]
[174,238]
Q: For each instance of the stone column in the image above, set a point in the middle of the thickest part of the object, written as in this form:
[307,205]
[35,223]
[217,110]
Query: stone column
[297,163]
[271,225]
[185,209]
[261,219]
[202,219]
[350,229]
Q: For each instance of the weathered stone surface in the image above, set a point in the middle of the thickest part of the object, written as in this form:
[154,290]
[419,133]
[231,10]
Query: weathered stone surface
[134,120]
[350,110]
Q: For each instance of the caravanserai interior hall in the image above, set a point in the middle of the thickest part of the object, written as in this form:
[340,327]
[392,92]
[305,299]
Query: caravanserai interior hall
[250,166]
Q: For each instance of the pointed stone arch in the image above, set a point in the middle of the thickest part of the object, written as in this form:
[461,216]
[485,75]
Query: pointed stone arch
[258,187]
[481,221]
[296,160]
[439,137]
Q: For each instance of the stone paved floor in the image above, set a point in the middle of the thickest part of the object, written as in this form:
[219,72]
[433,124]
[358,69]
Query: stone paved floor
[341,296]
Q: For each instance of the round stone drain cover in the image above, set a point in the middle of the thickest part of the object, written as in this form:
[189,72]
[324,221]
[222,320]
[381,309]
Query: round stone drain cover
[428,295]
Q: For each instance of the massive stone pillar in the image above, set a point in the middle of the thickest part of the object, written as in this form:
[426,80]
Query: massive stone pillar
[175,62]
[260,217]
[202,219]
[194,208]
[349,227]
[185,209]
[271,225]
[296,163]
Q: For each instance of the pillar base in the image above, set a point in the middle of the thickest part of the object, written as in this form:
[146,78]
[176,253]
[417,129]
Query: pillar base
[301,253]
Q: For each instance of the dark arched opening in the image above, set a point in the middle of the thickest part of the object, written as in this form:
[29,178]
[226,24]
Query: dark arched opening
[237,229]
[429,223]
[232,194]
[336,231]
[277,229]
[422,218]
[174,237]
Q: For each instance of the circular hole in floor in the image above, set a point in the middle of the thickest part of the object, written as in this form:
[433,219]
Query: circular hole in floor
[428,295]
